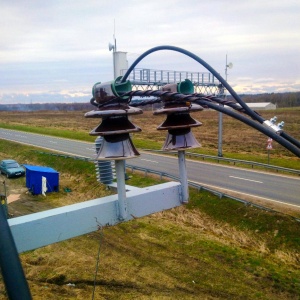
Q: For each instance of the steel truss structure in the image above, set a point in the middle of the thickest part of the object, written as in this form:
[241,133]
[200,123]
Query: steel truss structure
[149,79]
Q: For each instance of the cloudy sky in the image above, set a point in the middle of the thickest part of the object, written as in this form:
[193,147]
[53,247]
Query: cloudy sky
[56,50]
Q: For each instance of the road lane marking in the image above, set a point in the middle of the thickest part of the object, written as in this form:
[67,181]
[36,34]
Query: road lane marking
[246,179]
[245,194]
[156,162]
[51,149]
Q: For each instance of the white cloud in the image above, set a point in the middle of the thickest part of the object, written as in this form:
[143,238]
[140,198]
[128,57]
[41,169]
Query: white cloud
[56,45]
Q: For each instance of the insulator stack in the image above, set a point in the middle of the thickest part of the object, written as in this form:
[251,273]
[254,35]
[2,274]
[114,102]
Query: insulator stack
[115,127]
[105,170]
[178,121]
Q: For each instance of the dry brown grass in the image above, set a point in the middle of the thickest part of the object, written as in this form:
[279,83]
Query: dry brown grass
[195,220]
[178,254]
[237,137]
[70,120]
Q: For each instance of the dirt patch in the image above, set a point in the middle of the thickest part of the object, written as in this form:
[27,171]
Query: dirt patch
[13,197]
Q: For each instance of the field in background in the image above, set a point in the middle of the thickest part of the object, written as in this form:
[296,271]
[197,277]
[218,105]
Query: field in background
[239,140]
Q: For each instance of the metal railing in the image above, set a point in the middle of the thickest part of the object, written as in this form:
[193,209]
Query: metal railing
[65,155]
[200,187]
[161,175]
[173,177]
[231,160]
[162,77]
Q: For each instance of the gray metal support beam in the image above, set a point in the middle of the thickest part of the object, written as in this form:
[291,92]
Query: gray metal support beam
[120,171]
[55,225]
[183,176]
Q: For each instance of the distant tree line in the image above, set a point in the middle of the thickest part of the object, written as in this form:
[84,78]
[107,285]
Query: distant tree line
[46,106]
[280,99]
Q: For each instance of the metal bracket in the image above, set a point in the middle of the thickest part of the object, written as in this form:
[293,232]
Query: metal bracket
[274,127]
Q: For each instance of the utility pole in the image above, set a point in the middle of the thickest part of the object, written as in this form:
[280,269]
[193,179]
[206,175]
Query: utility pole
[220,128]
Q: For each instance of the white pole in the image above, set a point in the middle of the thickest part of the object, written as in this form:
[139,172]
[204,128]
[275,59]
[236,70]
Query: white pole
[183,176]
[120,172]
[220,134]
[220,127]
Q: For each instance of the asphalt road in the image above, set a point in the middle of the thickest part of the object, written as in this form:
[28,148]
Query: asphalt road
[268,186]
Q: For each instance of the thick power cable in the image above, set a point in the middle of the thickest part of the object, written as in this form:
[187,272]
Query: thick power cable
[206,102]
[248,111]
[290,139]
[259,127]
[11,268]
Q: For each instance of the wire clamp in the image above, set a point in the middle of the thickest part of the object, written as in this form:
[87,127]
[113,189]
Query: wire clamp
[274,127]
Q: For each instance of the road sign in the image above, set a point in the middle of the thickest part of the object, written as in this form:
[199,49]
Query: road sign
[269,144]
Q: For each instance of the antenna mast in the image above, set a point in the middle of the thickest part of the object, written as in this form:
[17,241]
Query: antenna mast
[115,40]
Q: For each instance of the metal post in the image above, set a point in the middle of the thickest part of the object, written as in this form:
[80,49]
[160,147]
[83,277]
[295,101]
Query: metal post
[220,131]
[220,128]
[183,176]
[220,134]
[120,172]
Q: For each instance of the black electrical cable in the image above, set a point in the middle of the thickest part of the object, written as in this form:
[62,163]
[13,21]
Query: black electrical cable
[290,139]
[265,130]
[201,100]
[204,64]
[209,97]
[11,268]
[222,101]
[112,102]
[248,111]
[146,102]
[93,102]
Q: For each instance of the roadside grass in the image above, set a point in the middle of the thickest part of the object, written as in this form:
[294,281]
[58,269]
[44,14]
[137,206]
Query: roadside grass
[138,179]
[146,144]
[277,229]
[77,135]
[27,155]
[286,162]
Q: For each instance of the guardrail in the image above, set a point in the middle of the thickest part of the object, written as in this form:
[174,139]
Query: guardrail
[65,155]
[192,184]
[230,160]
[199,187]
